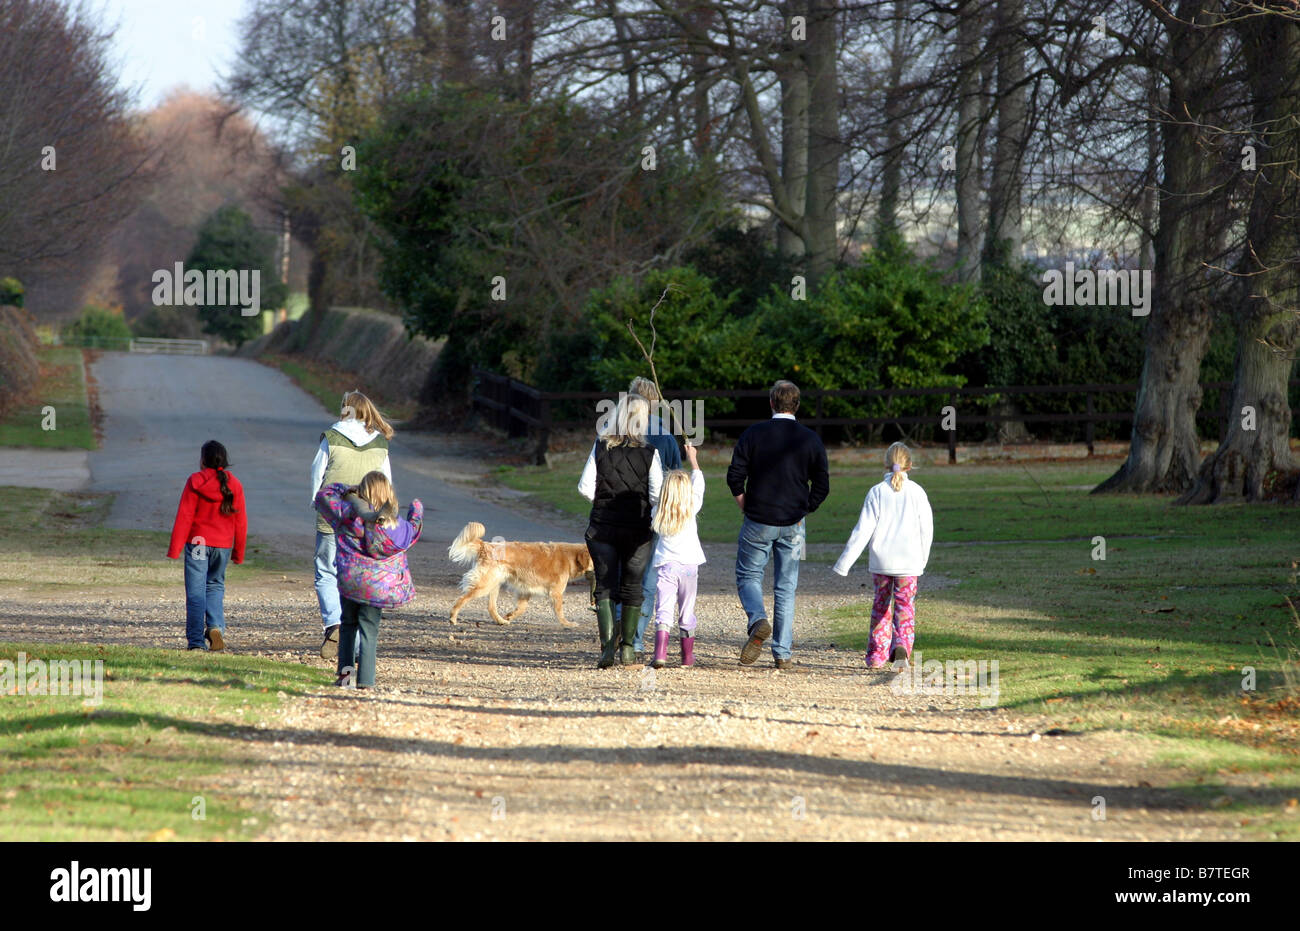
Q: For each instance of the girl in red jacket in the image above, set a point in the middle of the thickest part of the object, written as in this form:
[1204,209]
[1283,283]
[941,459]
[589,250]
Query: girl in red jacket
[211,525]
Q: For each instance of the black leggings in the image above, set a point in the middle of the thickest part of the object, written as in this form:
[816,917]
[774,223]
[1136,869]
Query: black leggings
[619,556]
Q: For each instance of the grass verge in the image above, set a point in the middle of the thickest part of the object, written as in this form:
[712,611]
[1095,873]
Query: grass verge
[148,762]
[62,387]
[322,381]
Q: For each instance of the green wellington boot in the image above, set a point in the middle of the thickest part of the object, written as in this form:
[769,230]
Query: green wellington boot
[608,639]
[631,615]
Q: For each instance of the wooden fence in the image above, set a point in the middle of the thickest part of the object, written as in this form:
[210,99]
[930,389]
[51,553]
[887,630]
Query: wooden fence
[519,408]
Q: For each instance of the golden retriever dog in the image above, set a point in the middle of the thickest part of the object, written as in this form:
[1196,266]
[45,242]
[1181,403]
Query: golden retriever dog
[527,569]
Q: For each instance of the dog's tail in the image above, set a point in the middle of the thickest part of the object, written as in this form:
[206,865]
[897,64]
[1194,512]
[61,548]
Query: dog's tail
[464,550]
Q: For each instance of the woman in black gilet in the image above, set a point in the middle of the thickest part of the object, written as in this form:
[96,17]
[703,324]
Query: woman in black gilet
[621,480]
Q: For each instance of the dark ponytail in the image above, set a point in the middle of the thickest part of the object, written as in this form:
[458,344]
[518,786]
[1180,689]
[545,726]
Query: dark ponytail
[213,456]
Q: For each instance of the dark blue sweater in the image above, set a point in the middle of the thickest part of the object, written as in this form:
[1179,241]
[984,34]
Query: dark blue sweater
[779,465]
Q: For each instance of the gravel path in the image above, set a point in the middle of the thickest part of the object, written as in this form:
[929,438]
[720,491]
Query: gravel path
[487,732]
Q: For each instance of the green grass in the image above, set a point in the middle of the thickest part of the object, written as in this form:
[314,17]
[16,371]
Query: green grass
[62,387]
[73,551]
[171,723]
[169,727]
[1151,640]
[322,382]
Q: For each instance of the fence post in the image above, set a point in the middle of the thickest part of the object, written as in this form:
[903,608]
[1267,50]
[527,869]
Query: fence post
[820,395]
[515,426]
[1090,431]
[952,434]
[544,434]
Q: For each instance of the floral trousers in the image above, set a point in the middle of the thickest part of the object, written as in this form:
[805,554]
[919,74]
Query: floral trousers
[893,617]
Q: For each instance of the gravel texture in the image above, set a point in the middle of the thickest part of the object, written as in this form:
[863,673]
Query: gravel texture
[486,732]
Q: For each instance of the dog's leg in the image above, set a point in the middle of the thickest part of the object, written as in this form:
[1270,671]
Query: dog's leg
[460,603]
[477,590]
[519,607]
[557,603]
[492,606]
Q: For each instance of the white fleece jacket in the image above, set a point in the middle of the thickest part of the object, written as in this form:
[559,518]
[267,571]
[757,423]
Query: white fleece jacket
[897,525]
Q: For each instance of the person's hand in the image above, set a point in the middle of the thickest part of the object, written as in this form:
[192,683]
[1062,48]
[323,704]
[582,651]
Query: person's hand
[740,502]
[692,456]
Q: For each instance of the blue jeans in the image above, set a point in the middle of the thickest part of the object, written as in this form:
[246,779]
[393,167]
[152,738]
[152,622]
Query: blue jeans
[205,591]
[649,585]
[327,581]
[757,545]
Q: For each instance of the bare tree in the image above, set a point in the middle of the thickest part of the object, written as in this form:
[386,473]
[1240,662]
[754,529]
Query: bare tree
[1164,452]
[1255,454]
[71,163]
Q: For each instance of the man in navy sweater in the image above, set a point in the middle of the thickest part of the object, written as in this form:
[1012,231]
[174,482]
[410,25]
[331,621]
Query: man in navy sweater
[778,475]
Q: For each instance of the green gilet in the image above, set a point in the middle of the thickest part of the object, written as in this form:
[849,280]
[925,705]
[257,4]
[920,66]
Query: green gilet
[349,463]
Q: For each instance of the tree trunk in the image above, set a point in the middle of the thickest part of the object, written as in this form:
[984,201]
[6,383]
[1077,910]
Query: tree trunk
[794,151]
[1165,449]
[1002,243]
[624,34]
[701,80]
[1254,455]
[891,177]
[458,56]
[968,131]
[820,209]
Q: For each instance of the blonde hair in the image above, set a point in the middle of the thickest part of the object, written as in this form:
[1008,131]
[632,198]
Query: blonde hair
[364,410]
[644,387]
[377,491]
[675,499]
[630,423]
[898,455]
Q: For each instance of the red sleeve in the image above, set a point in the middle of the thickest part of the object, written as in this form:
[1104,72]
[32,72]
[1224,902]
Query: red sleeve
[184,520]
[241,526]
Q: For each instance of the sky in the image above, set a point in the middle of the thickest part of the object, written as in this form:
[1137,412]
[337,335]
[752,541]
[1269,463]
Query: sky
[161,44]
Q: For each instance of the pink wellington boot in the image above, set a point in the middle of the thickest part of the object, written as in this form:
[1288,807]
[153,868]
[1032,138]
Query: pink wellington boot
[661,649]
[688,650]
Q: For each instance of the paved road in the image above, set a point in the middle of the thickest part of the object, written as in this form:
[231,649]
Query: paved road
[160,409]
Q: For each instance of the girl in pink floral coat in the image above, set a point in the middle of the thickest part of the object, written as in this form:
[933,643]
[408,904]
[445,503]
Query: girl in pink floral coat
[371,563]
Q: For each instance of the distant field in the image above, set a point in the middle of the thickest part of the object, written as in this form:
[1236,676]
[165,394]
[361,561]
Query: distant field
[62,387]
[72,523]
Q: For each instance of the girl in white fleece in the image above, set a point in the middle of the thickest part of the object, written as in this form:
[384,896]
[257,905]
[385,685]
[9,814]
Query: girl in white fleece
[897,524]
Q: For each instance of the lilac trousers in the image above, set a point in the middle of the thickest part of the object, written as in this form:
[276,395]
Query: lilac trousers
[675,595]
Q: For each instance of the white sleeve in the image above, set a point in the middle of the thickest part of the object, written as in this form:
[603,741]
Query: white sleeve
[318,467]
[927,526]
[656,478]
[587,483]
[387,469]
[697,491]
[861,535]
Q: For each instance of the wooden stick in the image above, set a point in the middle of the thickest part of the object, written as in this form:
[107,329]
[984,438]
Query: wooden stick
[650,356]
